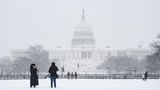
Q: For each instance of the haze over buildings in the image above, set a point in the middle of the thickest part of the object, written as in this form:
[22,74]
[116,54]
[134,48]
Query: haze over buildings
[84,56]
[115,23]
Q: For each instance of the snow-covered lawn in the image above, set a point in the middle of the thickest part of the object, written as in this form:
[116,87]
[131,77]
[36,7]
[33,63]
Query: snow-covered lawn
[83,84]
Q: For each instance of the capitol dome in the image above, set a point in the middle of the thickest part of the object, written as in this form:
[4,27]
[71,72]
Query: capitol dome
[83,35]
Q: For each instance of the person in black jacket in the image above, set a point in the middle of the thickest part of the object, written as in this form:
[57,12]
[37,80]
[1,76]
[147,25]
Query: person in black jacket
[145,76]
[68,75]
[34,76]
[75,75]
[53,74]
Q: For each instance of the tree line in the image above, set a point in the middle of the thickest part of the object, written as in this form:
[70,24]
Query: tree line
[34,54]
[153,61]
[119,64]
[130,64]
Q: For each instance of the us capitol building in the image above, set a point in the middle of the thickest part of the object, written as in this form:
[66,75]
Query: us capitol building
[83,56]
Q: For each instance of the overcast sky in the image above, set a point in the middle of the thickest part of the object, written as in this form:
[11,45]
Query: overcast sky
[115,23]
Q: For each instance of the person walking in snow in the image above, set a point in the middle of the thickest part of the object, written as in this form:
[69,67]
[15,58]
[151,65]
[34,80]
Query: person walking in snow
[53,74]
[145,76]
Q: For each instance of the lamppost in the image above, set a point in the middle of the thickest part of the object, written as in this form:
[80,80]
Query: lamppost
[135,71]
[78,66]
[62,67]
[108,66]
[108,70]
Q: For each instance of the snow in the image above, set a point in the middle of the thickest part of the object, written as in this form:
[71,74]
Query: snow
[84,84]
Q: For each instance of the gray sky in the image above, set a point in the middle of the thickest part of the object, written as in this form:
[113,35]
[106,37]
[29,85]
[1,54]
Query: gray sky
[116,23]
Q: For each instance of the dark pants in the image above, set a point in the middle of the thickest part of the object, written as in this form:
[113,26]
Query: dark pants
[145,78]
[53,79]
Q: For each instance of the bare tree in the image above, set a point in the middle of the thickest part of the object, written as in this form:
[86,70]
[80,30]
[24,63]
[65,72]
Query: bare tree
[123,64]
[153,61]
[6,65]
[35,54]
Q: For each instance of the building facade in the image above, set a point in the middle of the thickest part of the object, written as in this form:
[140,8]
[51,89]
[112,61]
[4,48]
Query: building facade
[83,56]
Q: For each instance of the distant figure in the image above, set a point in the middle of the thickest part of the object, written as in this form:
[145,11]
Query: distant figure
[145,76]
[72,75]
[63,69]
[75,75]
[53,74]
[68,75]
[124,77]
[34,76]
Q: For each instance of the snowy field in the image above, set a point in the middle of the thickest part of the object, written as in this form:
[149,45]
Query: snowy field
[83,84]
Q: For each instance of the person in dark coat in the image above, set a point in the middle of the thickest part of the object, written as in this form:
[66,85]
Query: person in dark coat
[34,76]
[68,75]
[145,76]
[72,75]
[75,75]
[53,74]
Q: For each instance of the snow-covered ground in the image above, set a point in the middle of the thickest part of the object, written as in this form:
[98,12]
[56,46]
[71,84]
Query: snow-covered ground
[83,84]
